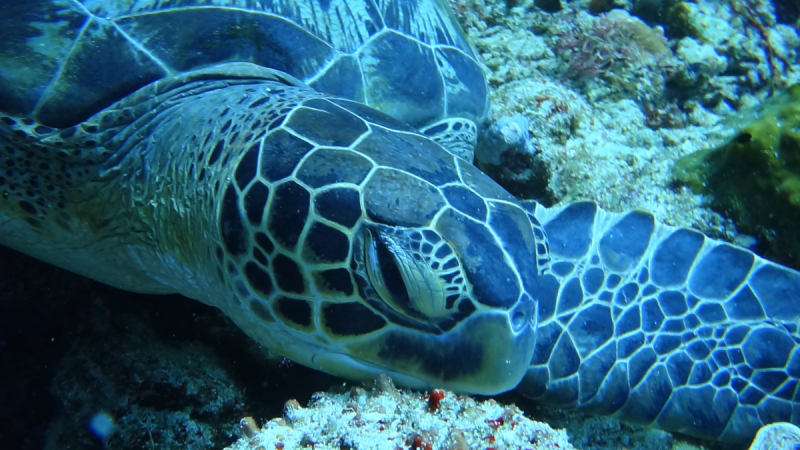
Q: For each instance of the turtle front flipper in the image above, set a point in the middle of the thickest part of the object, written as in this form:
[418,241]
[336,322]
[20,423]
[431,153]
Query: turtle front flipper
[663,326]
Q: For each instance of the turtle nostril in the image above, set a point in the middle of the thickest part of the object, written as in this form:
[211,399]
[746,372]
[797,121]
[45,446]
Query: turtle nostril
[523,314]
[518,320]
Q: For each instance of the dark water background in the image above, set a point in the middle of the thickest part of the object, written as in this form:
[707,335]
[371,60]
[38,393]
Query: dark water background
[171,371]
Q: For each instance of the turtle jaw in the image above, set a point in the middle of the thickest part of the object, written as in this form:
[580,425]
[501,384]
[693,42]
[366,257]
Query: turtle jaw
[487,355]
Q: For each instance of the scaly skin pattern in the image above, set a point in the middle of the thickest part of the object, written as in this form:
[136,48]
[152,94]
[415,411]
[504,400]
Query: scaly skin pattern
[663,326]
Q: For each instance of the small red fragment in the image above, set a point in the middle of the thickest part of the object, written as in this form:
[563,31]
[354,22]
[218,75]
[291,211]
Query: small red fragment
[279,446]
[436,396]
[496,423]
[419,443]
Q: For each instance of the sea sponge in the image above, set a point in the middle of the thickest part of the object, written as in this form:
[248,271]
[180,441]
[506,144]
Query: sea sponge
[755,178]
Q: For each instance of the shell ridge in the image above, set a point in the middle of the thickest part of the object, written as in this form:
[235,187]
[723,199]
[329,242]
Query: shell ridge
[62,64]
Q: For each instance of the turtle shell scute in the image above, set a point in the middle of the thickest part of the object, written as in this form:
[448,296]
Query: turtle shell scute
[332,165]
[323,123]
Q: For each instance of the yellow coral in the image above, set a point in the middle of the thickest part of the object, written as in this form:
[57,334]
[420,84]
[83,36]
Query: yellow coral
[755,178]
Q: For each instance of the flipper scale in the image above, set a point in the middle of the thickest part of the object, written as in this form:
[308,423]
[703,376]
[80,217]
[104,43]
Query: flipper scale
[664,326]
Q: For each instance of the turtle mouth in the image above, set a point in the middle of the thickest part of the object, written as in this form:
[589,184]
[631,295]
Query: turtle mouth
[484,356]
[353,368]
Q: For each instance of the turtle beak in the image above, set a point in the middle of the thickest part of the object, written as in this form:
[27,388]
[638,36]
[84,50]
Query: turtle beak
[487,354]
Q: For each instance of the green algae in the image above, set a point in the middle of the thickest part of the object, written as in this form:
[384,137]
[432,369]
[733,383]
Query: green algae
[755,178]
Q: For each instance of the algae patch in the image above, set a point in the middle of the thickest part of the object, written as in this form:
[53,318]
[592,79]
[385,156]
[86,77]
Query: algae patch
[755,178]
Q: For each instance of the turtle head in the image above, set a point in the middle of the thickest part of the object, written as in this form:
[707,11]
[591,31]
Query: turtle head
[416,289]
[359,247]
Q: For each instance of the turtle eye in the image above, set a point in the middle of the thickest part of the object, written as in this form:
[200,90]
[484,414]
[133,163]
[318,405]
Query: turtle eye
[385,276]
[404,278]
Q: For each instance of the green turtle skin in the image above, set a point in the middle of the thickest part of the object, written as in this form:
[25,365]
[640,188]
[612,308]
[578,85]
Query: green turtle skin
[266,158]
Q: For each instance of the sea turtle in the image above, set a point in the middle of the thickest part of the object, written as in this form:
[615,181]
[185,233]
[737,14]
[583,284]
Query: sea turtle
[264,157]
